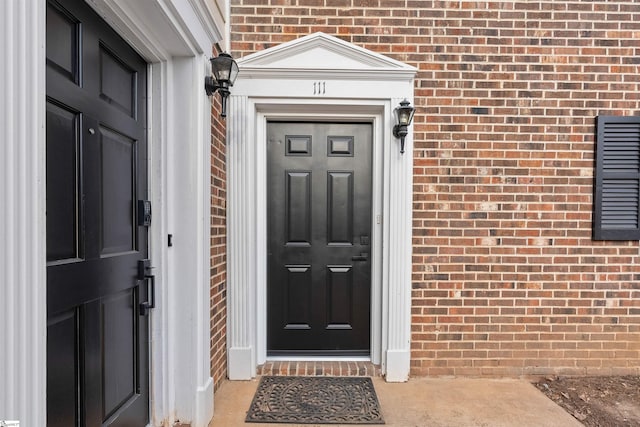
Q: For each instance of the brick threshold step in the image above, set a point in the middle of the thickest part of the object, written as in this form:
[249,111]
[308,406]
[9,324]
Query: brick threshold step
[320,368]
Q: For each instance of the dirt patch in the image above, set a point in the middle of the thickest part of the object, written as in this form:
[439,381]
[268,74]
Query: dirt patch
[596,401]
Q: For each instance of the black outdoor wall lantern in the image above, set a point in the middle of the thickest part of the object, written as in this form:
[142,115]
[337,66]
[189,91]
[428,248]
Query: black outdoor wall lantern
[225,71]
[404,115]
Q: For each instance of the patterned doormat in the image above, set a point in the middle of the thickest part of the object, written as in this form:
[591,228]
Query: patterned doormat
[315,400]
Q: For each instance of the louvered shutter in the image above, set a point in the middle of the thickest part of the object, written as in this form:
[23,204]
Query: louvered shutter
[617,182]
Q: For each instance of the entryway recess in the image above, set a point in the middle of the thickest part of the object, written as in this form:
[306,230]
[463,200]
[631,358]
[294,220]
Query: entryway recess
[319,205]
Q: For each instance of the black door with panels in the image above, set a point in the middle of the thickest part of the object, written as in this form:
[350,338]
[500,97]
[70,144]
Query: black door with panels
[319,245]
[98,288]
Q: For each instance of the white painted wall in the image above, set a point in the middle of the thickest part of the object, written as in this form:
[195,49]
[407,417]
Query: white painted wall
[176,37]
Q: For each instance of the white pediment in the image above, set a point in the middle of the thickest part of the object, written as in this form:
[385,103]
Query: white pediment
[318,53]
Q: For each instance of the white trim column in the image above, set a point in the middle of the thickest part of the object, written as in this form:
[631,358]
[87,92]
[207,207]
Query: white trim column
[22,213]
[397,256]
[179,123]
[241,258]
[188,207]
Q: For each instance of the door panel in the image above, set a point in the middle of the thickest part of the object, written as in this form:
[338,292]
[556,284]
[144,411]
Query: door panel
[117,82]
[319,223]
[118,320]
[340,208]
[298,194]
[98,344]
[339,297]
[63,373]
[63,42]
[118,189]
[298,297]
[63,172]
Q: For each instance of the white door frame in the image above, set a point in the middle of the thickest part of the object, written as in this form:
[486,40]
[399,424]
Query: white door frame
[312,110]
[291,81]
[176,37]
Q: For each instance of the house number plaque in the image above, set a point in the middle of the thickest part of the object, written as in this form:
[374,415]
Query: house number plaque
[319,88]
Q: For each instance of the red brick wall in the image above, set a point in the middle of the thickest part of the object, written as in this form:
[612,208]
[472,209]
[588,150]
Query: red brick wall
[218,291]
[506,278]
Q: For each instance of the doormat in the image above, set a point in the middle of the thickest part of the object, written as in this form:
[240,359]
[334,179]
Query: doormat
[315,400]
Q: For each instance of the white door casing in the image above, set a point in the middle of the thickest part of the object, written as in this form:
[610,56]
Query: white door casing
[318,77]
[176,38]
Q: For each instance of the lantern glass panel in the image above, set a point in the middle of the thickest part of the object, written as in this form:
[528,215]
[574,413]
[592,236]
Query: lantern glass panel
[221,67]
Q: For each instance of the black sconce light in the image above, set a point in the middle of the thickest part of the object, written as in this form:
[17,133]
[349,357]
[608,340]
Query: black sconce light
[404,115]
[225,71]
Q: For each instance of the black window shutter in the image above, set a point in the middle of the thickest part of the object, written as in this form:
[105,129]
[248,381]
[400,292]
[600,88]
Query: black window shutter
[616,213]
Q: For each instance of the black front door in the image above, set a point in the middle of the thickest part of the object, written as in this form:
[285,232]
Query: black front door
[97,337]
[319,227]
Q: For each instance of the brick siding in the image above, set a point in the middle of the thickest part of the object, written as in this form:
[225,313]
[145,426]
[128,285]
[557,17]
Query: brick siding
[218,290]
[319,369]
[506,278]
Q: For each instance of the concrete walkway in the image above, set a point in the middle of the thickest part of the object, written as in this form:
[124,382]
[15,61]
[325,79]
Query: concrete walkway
[428,402]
